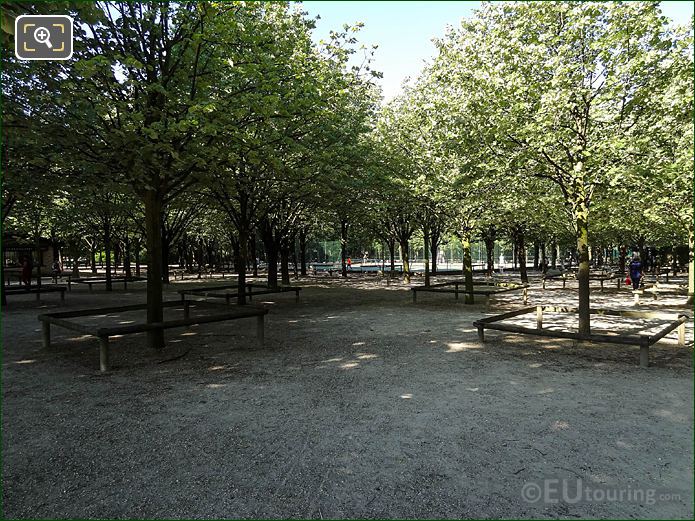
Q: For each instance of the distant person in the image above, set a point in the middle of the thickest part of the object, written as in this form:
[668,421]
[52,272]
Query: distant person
[26,271]
[349,263]
[636,272]
[501,262]
[56,270]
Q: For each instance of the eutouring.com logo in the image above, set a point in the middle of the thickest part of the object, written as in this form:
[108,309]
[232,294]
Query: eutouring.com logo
[553,491]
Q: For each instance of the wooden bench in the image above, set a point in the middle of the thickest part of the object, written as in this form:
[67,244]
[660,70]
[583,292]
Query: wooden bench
[99,280]
[675,321]
[36,289]
[444,287]
[103,333]
[251,290]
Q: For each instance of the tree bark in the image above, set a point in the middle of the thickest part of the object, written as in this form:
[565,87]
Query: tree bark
[107,254]
[489,240]
[536,254]
[581,213]
[153,229]
[435,239]
[467,266]
[392,253]
[405,259]
[242,253]
[553,255]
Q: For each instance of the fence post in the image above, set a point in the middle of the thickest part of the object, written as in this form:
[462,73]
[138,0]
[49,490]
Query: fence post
[539,317]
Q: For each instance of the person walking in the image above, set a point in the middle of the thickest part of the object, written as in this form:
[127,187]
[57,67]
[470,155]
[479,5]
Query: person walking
[26,271]
[636,272]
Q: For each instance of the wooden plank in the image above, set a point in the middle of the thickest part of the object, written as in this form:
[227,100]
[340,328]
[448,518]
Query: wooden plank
[104,311]
[66,324]
[509,328]
[182,322]
[670,327]
[509,314]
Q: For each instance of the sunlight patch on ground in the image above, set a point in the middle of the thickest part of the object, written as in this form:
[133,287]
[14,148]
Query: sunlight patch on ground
[366,356]
[216,368]
[349,365]
[340,359]
[536,365]
[406,396]
[215,386]
[189,333]
[358,344]
[560,425]
[473,389]
[25,361]
[455,347]
[547,390]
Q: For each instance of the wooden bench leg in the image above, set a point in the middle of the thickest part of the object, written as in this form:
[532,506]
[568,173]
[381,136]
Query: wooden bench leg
[681,334]
[260,329]
[481,333]
[46,330]
[644,354]
[104,353]
[539,317]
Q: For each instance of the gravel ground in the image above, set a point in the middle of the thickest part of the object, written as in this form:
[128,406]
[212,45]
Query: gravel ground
[361,404]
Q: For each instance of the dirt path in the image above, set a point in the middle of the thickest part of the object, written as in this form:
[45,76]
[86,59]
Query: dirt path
[360,405]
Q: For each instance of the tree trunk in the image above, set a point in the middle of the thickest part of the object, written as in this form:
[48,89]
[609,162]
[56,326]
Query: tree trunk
[271,252]
[426,233]
[435,239]
[553,255]
[302,251]
[75,264]
[405,259]
[490,253]
[153,230]
[521,253]
[581,212]
[107,254]
[343,247]
[536,254]
[392,253]
[467,266]
[253,251]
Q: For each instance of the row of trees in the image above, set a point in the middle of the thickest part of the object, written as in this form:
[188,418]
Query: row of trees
[196,127]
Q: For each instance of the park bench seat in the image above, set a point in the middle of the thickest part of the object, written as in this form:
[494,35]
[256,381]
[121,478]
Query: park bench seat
[37,290]
[61,319]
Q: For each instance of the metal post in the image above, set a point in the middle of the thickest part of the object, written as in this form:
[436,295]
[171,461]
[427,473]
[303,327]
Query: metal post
[539,317]
[260,329]
[525,295]
[104,353]
[456,291]
[644,352]
[46,329]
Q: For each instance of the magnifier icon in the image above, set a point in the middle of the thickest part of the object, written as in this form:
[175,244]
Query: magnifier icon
[42,35]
